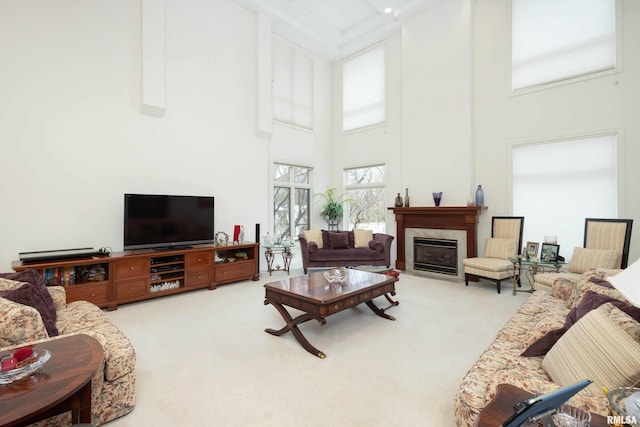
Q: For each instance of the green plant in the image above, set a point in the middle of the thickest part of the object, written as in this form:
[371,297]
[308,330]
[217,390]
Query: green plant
[332,209]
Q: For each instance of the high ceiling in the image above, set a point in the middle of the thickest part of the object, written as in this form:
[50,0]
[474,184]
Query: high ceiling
[334,29]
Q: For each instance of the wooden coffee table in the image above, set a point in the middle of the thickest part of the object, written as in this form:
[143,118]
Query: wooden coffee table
[318,299]
[62,384]
[501,408]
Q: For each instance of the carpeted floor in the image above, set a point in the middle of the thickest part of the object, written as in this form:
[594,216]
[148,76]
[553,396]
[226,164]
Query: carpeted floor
[205,360]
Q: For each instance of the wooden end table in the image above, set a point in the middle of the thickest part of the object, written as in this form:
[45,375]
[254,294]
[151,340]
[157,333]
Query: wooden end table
[318,299]
[62,384]
[501,408]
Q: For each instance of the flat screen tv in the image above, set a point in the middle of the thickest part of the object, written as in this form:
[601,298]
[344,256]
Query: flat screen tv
[167,222]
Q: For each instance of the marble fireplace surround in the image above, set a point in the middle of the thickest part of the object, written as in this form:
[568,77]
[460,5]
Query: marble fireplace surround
[432,233]
[413,221]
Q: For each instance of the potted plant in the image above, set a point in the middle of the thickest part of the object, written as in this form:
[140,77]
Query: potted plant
[333,207]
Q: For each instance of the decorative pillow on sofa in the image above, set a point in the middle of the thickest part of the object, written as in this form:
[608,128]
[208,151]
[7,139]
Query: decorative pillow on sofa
[501,248]
[314,236]
[590,301]
[583,259]
[597,349]
[338,240]
[362,237]
[39,298]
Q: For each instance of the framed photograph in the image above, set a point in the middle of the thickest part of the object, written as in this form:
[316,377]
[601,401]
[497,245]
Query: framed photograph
[549,252]
[532,249]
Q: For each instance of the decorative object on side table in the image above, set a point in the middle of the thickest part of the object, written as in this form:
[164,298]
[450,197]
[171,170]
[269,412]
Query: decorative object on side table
[532,250]
[437,197]
[479,196]
[22,363]
[549,252]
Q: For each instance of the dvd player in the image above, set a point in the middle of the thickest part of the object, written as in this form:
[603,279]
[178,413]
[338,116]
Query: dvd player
[27,257]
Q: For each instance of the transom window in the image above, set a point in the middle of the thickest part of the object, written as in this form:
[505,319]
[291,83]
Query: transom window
[365,193]
[292,85]
[364,89]
[561,39]
[291,198]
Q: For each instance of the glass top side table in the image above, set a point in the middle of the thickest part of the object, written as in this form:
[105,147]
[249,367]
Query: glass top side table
[284,249]
[531,267]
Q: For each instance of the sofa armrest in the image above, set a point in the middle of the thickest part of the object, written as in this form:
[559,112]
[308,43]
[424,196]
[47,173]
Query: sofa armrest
[19,324]
[59,296]
[376,246]
[386,240]
[313,247]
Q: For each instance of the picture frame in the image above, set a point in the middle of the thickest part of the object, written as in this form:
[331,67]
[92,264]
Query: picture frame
[549,252]
[532,249]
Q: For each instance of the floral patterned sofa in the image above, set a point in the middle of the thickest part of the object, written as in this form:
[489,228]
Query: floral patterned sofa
[547,323]
[114,385]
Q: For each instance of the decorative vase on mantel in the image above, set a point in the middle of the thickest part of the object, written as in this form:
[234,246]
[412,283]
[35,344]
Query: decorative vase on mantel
[398,202]
[406,198]
[479,196]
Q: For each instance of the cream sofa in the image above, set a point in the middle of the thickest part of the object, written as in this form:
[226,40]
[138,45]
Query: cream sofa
[540,314]
[114,385]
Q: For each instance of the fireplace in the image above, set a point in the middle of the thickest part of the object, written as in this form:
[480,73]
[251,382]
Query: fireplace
[435,255]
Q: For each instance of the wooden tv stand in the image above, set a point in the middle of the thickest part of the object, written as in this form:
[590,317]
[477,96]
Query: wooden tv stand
[131,276]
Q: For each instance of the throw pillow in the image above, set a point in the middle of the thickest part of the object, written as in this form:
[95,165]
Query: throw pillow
[590,301]
[38,298]
[584,259]
[362,238]
[500,248]
[29,275]
[597,349]
[314,236]
[338,240]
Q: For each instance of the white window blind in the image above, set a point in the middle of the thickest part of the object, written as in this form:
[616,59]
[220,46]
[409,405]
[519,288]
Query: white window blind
[292,85]
[557,185]
[561,39]
[364,89]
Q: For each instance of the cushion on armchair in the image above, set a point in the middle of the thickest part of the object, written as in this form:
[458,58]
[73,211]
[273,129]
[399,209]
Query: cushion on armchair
[584,259]
[500,248]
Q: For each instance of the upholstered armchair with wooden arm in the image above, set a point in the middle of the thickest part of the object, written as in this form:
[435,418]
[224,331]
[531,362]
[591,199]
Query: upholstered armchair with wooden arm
[505,241]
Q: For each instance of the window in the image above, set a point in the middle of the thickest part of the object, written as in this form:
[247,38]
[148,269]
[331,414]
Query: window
[291,196]
[561,39]
[556,185]
[365,196]
[364,89]
[292,85]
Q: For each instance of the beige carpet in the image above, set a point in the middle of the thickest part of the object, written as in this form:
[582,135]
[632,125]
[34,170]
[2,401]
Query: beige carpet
[205,360]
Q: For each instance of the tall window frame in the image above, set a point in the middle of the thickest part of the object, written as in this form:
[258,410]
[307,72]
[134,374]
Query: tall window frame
[564,41]
[291,201]
[558,183]
[364,89]
[292,85]
[365,192]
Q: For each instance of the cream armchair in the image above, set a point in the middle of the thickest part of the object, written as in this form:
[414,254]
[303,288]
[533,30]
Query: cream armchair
[505,241]
[606,246]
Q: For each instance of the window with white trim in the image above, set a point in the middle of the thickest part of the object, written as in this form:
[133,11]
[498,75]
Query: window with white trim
[557,184]
[365,197]
[561,39]
[364,89]
[292,85]
[291,199]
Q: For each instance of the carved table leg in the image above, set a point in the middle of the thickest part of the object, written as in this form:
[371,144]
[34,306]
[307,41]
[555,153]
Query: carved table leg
[292,325]
[380,312]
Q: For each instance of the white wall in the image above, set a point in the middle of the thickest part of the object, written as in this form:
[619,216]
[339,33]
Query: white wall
[437,104]
[501,120]
[74,140]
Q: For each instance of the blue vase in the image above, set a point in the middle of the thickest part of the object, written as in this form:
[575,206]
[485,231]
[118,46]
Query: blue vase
[479,196]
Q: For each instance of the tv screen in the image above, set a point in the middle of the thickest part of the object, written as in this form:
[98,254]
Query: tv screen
[165,222]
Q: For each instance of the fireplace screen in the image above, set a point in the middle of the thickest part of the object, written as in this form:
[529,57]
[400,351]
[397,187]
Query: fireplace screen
[435,255]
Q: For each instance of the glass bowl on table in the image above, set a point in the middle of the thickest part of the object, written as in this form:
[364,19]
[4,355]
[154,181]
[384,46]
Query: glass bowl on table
[336,275]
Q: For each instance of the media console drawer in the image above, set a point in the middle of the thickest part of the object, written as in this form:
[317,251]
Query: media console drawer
[233,271]
[95,293]
[131,268]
